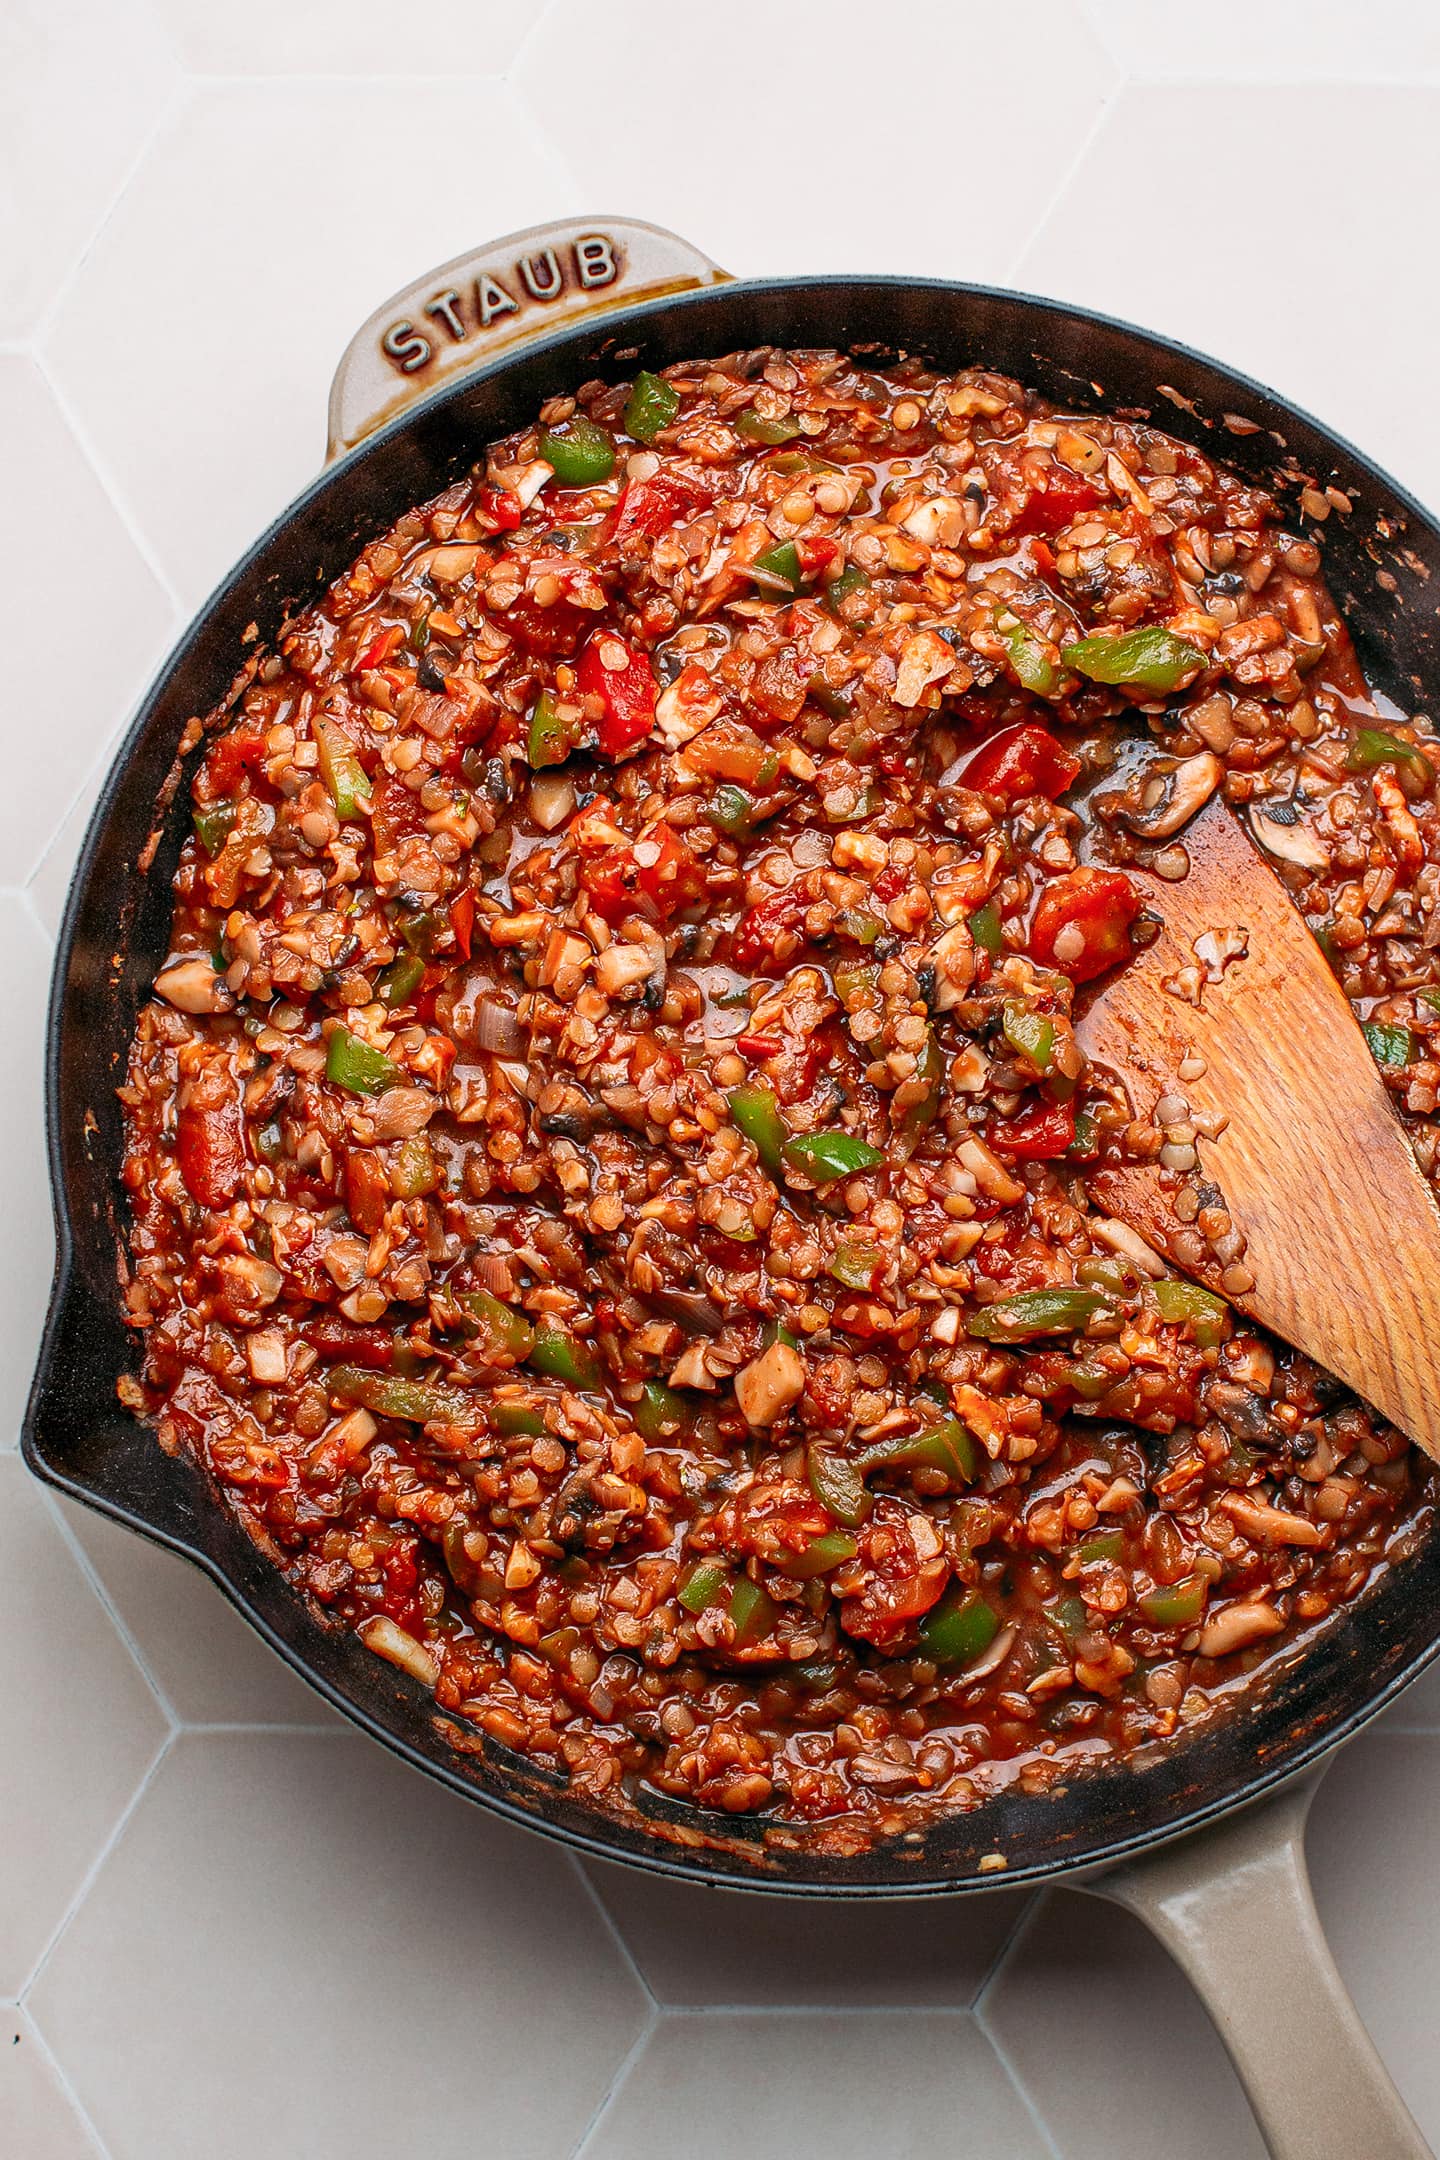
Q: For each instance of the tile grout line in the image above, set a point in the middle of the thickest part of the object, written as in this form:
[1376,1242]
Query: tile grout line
[992,1970]
[210,1728]
[25,900]
[759,2009]
[523,105]
[115,495]
[613,1928]
[62,2078]
[517,58]
[121,1626]
[98,770]
[1008,1948]
[1022,1928]
[172,103]
[1021,2091]
[617,2082]
[360,79]
[88,1880]
[1108,101]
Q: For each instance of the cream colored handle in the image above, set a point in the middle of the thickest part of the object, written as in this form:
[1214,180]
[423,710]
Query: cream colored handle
[477,306]
[1233,1907]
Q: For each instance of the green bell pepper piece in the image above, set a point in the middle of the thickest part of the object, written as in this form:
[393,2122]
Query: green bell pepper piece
[1374,746]
[419,932]
[987,929]
[856,1266]
[781,562]
[508,1336]
[1149,659]
[754,427]
[652,405]
[835,704]
[1186,1302]
[345,777]
[921,1114]
[357,1065]
[512,1417]
[801,461]
[1390,1045]
[756,1110]
[821,1555]
[838,1485]
[959,1629]
[580,453]
[949,1447]
[414,1170]
[859,924]
[823,1156]
[730,810]
[1030,664]
[853,978]
[556,1351]
[1031,1035]
[1109,1545]
[1176,1605]
[661,1412]
[1027,1313]
[852,579]
[397,984]
[1089,1382]
[212,822]
[416,1401]
[1086,1135]
[1070,1615]
[703,1584]
[553,735]
[752,1610]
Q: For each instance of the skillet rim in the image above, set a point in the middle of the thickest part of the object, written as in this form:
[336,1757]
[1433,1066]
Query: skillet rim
[592,1832]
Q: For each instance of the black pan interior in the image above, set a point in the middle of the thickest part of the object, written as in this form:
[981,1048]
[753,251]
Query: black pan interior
[1382,558]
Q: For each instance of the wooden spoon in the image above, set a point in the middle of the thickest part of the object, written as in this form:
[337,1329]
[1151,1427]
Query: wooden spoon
[1342,1230]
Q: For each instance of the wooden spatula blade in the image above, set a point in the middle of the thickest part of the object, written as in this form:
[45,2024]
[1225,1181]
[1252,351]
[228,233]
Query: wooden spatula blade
[1341,1227]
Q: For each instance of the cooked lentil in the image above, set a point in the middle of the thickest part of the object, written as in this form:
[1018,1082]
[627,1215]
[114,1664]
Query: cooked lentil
[607,1151]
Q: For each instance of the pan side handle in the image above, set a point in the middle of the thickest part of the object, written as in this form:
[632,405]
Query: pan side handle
[499,296]
[1233,1907]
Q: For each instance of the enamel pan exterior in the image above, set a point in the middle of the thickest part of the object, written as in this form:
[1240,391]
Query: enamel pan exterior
[1382,559]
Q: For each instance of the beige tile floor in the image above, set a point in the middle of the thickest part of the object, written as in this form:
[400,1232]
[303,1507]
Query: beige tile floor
[228,1925]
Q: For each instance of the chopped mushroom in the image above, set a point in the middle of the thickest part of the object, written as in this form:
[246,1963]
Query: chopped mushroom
[1290,842]
[1236,1627]
[193,986]
[1186,788]
[767,1386]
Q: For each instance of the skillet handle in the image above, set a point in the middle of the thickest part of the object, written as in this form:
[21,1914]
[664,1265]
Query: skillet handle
[482,304]
[1233,1907]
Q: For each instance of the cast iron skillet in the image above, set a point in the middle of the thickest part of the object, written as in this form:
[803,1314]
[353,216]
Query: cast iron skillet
[1233,1905]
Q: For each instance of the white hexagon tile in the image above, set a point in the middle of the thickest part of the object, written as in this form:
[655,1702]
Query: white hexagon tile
[216,1902]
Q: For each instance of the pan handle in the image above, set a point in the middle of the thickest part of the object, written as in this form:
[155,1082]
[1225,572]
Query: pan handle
[1233,1907]
[546,278]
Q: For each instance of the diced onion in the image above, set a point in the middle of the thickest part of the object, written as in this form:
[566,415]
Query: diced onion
[381,1635]
[497,1030]
[494,1273]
